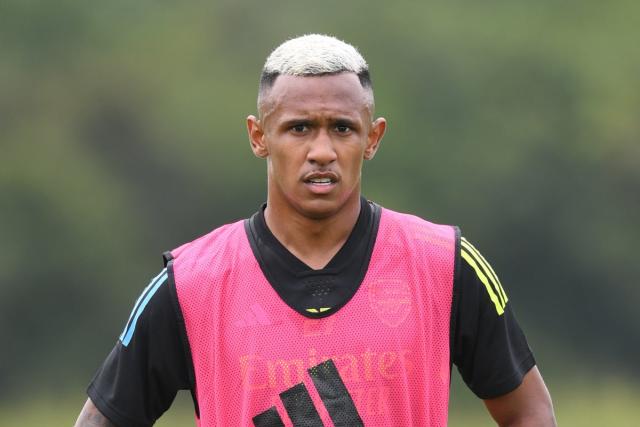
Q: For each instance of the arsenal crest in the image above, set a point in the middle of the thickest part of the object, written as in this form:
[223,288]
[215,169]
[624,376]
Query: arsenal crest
[390,299]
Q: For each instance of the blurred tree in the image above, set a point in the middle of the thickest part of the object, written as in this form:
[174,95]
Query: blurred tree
[122,135]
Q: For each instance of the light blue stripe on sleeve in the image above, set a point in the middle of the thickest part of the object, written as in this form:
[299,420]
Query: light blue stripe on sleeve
[127,334]
[140,298]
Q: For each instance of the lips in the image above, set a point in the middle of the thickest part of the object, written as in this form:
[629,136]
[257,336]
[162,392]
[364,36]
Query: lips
[321,178]
[321,182]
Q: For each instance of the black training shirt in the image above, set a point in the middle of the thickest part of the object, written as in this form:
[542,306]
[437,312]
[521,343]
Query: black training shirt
[151,361]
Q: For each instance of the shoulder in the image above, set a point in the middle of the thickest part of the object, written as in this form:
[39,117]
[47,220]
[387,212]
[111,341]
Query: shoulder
[153,306]
[198,269]
[213,240]
[477,277]
[419,229]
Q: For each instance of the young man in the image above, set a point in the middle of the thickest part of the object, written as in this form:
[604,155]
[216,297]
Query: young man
[323,308]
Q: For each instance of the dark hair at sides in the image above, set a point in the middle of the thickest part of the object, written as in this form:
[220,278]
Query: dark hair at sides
[267,79]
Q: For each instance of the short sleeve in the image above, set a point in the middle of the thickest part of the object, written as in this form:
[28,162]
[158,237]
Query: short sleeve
[488,346]
[139,379]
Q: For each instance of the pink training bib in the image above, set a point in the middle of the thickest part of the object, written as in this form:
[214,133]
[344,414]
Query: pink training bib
[381,360]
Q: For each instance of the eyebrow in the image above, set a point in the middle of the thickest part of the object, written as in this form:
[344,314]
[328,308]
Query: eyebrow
[310,121]
[345,121]
[297,121]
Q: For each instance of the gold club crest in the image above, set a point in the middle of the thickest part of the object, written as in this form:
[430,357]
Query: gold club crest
[390,299]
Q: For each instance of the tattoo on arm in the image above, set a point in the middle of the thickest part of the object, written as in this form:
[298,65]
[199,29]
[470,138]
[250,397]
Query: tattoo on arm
[90,416]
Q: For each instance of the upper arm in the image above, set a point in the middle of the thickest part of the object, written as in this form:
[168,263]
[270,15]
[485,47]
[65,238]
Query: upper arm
[139,379]
[90,416]
[488,347]
[528,405]
[491,351]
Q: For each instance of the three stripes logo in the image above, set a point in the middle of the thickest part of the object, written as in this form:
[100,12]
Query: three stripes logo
[485,273]
[299,406]
[140,305]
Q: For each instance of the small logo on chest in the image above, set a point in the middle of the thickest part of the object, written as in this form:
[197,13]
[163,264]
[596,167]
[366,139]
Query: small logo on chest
[391,300]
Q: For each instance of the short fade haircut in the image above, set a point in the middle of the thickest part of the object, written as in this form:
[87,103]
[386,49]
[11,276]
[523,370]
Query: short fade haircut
[313,55]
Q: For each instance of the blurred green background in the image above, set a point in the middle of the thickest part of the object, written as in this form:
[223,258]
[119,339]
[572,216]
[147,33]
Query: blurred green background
[122,135]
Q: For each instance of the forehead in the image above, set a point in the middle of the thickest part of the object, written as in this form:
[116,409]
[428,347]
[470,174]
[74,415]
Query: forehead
[336,93]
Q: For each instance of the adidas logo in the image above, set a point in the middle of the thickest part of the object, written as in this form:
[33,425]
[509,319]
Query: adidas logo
[299,406]
[253,317]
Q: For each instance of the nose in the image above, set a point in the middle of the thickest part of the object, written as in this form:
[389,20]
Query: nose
[321,150]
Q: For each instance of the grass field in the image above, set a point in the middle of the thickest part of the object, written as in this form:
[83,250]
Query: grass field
[608,403]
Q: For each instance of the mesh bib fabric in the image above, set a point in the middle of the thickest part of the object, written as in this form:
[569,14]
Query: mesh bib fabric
[381,360]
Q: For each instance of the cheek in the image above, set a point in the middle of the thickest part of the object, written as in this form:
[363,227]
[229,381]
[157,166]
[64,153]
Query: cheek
[352,161]
[283,164]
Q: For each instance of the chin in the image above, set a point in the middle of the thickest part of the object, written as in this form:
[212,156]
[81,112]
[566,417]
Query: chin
[319,209]
[323,207]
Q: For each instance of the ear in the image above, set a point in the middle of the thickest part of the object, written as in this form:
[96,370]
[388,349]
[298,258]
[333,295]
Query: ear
[374,138]
[256,137]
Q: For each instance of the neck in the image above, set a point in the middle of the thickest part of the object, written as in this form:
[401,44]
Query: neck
[314,241]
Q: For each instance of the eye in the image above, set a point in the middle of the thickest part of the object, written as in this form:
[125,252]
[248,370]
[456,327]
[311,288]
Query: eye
[299,128]
[342,128]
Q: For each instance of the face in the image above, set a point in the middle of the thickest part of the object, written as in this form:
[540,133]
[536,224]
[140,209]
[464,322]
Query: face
[315,133]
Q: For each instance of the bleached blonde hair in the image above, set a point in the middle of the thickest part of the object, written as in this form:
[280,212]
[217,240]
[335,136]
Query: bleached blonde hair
[313,55]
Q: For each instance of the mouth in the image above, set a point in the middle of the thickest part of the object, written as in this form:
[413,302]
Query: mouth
[321,182]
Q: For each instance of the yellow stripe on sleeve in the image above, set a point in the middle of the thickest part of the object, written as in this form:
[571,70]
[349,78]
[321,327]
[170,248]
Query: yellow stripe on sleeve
[484,280]
[487,267]
[485,270]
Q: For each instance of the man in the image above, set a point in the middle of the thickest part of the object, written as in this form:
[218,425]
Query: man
[323,308]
